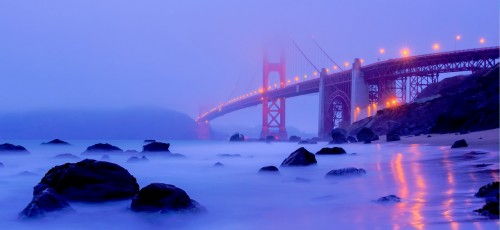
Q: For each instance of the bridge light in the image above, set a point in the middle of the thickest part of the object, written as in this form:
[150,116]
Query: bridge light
[296,78]
[315,73]
[458,37]
[362,60]
[436,46]
[482,40]
[288,81]
[335,67]
[381,50]
[405,52]
[305,76]
[393,101]
[346,64]
[327,70]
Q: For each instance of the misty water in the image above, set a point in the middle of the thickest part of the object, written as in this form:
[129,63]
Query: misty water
[436,185]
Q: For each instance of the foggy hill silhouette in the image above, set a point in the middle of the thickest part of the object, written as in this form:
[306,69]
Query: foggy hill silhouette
[136,123]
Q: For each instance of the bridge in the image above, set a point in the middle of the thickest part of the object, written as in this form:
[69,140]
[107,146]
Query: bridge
[349,95]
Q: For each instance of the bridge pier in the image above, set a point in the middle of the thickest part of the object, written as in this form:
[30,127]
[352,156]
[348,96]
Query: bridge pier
[203,130]
[323,106]
[359,92]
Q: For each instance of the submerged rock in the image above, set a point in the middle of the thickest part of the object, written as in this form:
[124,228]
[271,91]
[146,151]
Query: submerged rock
[89,181]
[392,137]
[459,144]
[66,156]
[163,198]
[56,142]
[352,139]
[229,155]
[339,136]
[46,201]
[156,147]
[149,141]
[389,199]
[331,151]
[269,169]
[237,137]
[294,138]
[218,164]
[490,209]
[346,172]
[7,147]
[137,159]
[366,134]
[300,157]
[488,191]
[100,147]
[308,141]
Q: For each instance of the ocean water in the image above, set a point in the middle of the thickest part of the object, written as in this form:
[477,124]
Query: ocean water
[436,185]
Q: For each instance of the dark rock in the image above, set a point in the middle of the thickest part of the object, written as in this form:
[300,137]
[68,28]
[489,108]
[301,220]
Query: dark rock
[237,137]
[300,157]
[46,201]
[229,155]
[367,142]
[346,172]
[149,141]
[392,137]
[66,156]
[389,199]
[100,148]
[339,136]
[269,169]
[459,144]
[270,138]
[137,159]
[308,141]
[27,173]
[294,139]
[89,181]
[218,164]
[331,151]
[490,209]
[482,165]
[366,134]
[352,139]
[489,190]
[462,132]
[56,142]
[156,147]
[13,148]
[429,136]
[163,198]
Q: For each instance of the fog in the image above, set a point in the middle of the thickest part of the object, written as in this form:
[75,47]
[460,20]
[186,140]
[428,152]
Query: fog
[187,55]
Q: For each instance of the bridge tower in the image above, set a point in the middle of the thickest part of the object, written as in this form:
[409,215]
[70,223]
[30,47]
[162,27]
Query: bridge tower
[273,110]
[359,91]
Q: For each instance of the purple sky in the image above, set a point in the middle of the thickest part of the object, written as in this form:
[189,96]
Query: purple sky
[186,54]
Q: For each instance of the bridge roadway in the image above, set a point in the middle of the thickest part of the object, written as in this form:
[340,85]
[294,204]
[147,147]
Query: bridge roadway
[443,62]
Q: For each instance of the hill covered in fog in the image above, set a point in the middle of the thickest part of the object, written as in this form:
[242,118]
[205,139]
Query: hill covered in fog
[149,123]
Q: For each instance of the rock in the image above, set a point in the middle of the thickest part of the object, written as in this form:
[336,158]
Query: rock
[294,139]
[229,155]
[89,181]
[331,151]
[308,141]
[270,138]
[149,141]
[488,191]
[300,157]
[490,209]
[459,144]
[269,169]
[163,198]
[137,159]
[66,156]
[46,201]
[156,147]
[429,136]
[13,148]
[339,136]
[100,147]
[105,157]
[27,173]
[367,142]
[346,172]
[352,139]
[366,134]
[237,137]
[56,142]
[389,199]
[218,164]
[392,137]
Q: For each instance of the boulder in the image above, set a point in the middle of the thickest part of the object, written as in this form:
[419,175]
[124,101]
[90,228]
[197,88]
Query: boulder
[392,137]
[331,151]
[352,139]
[367,142]
[339,136]
[66,156]
[163,198]
[89,181]
[270,138]
[237,137]
[269,169]
[489,209]
[218,164]
[294,139]
[300,157]
[137,159]
[346,172]
[46,201]
[100,148]
[56,142]
[156,147]
[459,144]
[389,199]
[488,191]
[13,148]
[366,134]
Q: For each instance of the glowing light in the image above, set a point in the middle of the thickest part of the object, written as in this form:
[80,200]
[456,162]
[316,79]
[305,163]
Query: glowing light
[357,108]
[362,60]
[458,37]
[381,50]
[334,67]
[405,52]
[393,101]
[289,81]
[315,73]
[482,40]
[436,46]
[296,78]
[261,90]
[346,64]
[327,70]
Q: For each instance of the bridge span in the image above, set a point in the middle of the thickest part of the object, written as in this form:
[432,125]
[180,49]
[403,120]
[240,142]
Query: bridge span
[349,95]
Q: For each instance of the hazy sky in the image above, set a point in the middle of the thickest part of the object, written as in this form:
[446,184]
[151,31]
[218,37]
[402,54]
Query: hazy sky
[186,54]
